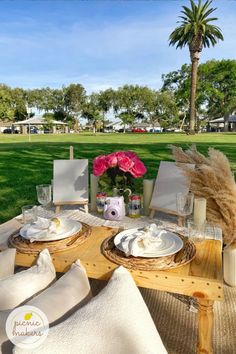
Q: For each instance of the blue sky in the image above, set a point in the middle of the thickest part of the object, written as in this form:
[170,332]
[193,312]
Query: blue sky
[98,43]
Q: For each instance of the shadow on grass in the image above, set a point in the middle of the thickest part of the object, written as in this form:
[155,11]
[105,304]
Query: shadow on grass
[25,165]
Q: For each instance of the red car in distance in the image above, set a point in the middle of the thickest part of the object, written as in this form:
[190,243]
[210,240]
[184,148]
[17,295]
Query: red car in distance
[139,130]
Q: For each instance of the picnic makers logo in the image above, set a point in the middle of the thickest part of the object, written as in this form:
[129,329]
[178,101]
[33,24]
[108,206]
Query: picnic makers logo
[27,327]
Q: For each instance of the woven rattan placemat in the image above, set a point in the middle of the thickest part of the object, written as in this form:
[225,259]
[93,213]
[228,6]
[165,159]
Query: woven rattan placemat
[181,258]
[25,246]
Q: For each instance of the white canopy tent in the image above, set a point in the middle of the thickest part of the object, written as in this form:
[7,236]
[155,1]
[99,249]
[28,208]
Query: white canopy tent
[38,120]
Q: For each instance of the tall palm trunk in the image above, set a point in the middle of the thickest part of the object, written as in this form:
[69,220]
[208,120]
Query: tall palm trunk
[195,60]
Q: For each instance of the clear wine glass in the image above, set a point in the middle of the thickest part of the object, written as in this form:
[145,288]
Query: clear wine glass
[184,205]
[44,194]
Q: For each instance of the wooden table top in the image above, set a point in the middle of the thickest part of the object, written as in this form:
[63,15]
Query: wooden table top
[202,278]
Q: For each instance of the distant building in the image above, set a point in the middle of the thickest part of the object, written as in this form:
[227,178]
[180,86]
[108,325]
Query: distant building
[5,125]
[218,124]
[119,125]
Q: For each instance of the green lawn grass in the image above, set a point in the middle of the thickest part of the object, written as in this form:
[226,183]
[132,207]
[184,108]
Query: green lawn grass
[25,164]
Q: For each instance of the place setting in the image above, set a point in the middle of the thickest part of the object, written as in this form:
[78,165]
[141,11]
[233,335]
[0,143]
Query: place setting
[56,233]
[149,248]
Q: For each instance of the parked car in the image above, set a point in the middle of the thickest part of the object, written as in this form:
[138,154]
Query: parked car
[47,131]
[10,131]
[139,130]
[33,130]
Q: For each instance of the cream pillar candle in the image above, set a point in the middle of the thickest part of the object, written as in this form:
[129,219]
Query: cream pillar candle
[199,212]
[229,264]
[148,185]
[93,191]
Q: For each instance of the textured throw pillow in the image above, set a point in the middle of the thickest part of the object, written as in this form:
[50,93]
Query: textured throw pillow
[71,291]
[7,262]
[21,286]
[115,321]
[58,301]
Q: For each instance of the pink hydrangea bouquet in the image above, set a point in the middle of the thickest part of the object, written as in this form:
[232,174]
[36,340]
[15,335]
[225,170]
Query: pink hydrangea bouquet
[118,169]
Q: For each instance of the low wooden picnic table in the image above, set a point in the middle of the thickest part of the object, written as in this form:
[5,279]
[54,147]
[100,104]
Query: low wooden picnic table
[202,278]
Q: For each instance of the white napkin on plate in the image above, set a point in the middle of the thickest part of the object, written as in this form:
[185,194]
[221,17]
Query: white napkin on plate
[39,229]
[143,241]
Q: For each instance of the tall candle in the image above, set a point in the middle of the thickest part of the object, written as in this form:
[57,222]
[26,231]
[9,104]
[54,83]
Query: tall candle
[148,185]
[229,261]
[199,212]
[93,191]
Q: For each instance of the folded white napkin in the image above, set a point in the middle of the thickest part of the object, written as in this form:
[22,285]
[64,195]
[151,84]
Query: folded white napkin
[143,241]
[40,229]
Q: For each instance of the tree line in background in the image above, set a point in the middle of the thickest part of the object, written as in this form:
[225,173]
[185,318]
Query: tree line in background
[169,106]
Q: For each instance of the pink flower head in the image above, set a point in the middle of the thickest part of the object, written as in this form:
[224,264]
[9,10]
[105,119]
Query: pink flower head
[138,169]
[99,165]
[125,164]
[120,155]
[130,154]
[111,160]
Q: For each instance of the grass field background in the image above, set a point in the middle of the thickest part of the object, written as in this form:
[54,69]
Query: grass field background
[25,164]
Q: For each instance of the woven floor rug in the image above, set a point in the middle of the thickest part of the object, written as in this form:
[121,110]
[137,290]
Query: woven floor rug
[177,325]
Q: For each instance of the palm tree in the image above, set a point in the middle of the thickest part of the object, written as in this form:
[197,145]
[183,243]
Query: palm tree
[196,32]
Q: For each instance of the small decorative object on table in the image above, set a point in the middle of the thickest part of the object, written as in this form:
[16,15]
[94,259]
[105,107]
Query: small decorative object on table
[100,201]
[114,208]
[134,206]
[196,231]
[44,194]
[184,205]
[29,214]
[118,170]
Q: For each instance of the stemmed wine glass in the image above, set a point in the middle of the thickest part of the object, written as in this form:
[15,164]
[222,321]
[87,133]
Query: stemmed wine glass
[184,205]
[44,194]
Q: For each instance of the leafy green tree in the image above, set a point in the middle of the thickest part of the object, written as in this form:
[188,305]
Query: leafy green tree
[161,108]
[105,102]
[92,111]
[74,99]
[6,103]
[196,32]
[19,101]
[129,103]
[179,83]
[66,103]
[218,88]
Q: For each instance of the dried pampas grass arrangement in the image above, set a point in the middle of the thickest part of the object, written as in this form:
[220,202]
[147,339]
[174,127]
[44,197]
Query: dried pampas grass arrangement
[212,179]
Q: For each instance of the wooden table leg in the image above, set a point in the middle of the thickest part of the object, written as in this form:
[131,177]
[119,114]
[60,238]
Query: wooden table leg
[205,324]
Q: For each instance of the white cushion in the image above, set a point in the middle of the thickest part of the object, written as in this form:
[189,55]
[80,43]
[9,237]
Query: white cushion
[115,321]
[7,262]
[70,292]
[72,289]
[21,286]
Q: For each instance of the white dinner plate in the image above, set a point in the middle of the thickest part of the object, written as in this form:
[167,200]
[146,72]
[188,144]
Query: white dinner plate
[170,243]
[68,228]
